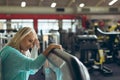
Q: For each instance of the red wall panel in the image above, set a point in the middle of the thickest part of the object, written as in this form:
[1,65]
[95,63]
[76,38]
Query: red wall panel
[38,16]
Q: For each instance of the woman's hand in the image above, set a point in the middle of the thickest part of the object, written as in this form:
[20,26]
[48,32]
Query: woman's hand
[37,43]
[50,47]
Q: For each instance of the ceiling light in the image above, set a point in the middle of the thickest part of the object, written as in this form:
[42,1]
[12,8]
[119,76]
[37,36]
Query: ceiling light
[53,4]
[112,2]
[23,4]
[82,5]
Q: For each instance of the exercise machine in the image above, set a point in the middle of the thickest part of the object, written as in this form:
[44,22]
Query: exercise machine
[64,66]
[111,45]
[91,54]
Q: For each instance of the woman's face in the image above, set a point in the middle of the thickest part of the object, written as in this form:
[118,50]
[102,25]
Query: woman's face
[27,42]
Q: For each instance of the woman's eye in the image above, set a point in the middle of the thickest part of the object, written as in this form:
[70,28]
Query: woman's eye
[31,41]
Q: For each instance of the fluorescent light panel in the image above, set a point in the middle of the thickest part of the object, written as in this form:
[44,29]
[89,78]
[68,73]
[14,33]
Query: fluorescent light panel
[82,5]
[53,4]
[23,4]
[112,2]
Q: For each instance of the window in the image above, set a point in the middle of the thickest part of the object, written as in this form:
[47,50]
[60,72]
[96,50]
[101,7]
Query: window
[69,24]
[2,24]
[47,24]
[19,23]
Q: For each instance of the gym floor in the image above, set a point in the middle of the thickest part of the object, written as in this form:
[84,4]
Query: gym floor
[95,75]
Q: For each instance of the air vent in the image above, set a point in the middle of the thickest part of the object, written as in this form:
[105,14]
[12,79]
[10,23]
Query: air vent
[113,9]
[60,9]
[85,10]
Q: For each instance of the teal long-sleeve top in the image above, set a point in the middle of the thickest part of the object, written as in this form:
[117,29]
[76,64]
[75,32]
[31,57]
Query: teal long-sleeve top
[16,66]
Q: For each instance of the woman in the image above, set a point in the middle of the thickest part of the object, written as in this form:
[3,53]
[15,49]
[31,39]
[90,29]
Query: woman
[15,64]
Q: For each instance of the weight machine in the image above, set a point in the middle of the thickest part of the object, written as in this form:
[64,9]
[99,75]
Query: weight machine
[91,54]
[111,45]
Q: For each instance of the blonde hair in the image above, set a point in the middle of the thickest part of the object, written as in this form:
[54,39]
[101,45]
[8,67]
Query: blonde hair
[19,36]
